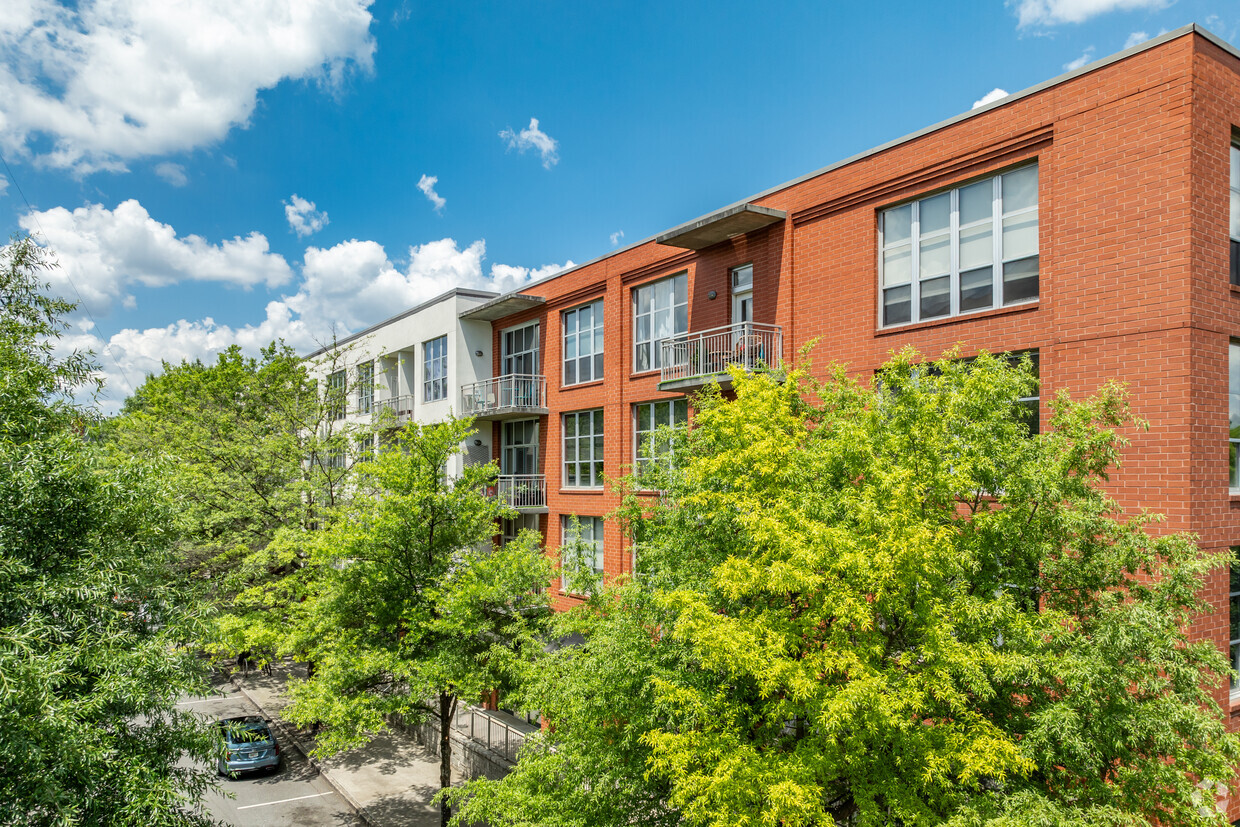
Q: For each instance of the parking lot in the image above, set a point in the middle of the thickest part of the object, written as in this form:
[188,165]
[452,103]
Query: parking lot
[295,795]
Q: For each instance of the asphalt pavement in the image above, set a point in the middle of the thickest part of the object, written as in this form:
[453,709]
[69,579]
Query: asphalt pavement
[296,795]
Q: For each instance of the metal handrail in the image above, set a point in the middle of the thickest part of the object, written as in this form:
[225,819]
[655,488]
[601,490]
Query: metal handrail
[522,490]
[513,390]
[750,345]
[489,729]
[400,406]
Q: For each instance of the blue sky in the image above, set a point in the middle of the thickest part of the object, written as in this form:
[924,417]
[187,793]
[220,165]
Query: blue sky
[220,171]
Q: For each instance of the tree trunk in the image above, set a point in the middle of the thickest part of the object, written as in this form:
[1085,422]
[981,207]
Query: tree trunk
[447,706]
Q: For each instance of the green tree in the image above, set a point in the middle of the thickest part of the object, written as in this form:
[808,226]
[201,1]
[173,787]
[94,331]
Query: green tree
[260,455]
[90,662]
[894,605]
[416,608]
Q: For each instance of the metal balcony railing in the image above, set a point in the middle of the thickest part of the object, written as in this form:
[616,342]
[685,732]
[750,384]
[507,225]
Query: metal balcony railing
[513,392]
[499,732]
[750,345]
[400,407]
[522,490]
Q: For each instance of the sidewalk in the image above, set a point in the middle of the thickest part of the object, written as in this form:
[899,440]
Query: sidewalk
[389,781]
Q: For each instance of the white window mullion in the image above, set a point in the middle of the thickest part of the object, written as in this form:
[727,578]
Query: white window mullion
[953,273]
[915,265]
[996,222]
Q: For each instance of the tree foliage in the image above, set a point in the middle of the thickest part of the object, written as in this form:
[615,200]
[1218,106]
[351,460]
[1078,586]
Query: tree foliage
[261,455]
[90,661]
[416,609]
[891,605]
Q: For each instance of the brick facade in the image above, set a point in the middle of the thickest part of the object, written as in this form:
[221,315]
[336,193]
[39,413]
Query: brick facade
[1133,166]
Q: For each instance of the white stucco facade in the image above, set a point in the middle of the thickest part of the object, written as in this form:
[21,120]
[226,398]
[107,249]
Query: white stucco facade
[420,359]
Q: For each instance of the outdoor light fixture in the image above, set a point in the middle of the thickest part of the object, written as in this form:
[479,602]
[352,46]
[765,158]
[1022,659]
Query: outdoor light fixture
[711,295]
[477,352]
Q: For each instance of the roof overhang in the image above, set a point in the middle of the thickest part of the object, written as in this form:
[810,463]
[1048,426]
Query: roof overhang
[712,229]
[503,306]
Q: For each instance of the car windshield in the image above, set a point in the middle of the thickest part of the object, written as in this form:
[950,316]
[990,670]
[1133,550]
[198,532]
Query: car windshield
[238,733]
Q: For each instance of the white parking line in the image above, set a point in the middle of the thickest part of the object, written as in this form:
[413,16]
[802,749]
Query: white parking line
[285,801]
[204,701]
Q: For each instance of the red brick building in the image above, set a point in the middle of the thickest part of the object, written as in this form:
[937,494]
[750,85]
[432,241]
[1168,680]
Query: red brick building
[1086,219]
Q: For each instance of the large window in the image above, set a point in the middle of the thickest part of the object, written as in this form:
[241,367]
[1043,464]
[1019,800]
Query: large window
[1233,412]
[365,387]
[583,449]
[583,343]
[337,382]
[520,351]
[1233,609]
[661,311]
[435,369]
[961,251]
[511,529]
[649,417]
[1235,214]
[582,545]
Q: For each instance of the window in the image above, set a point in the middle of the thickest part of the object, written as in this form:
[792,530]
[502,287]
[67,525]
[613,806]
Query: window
[583,449]
[520,351]
[1233,411]
[583,343]
[365,387]
[742,294]
[1032,404]
[509,529]
[582,546]
[1235,214]
[365,448]
[337,381]
[435,375]
[518,454]
[961,251]
[661,311]
[1233,609]
[649,417]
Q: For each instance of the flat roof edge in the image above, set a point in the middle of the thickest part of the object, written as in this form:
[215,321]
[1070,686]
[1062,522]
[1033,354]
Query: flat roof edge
[467,292]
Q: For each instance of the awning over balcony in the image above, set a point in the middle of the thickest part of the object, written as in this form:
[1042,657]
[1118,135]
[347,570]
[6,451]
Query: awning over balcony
[720,226]
[503,306]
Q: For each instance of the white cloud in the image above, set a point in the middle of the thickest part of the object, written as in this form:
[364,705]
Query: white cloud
[616,236]
[302,216]
[4,185]
[103,252]
[341,289]
[172,173]
[92,84]
[992,95]
[533,138]
[1135,38]
[427,184]
[1086,57]
[1052,12]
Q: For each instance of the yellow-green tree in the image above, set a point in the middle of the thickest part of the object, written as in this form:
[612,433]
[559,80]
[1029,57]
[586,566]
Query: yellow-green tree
[891,606]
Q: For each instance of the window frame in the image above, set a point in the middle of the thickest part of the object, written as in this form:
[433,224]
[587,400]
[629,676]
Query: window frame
[595,337]
[655,354]
[435,369]
[365,387]
[337,385]
[1233,416]
[640,461]
[598,529]
[1233,191]
[1233,620]
[508,356]
[952,233]
[595,440]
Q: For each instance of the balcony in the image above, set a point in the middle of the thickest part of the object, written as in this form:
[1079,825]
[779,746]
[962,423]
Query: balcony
[694,360]
[399,408]
[525,492]
[505,397]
